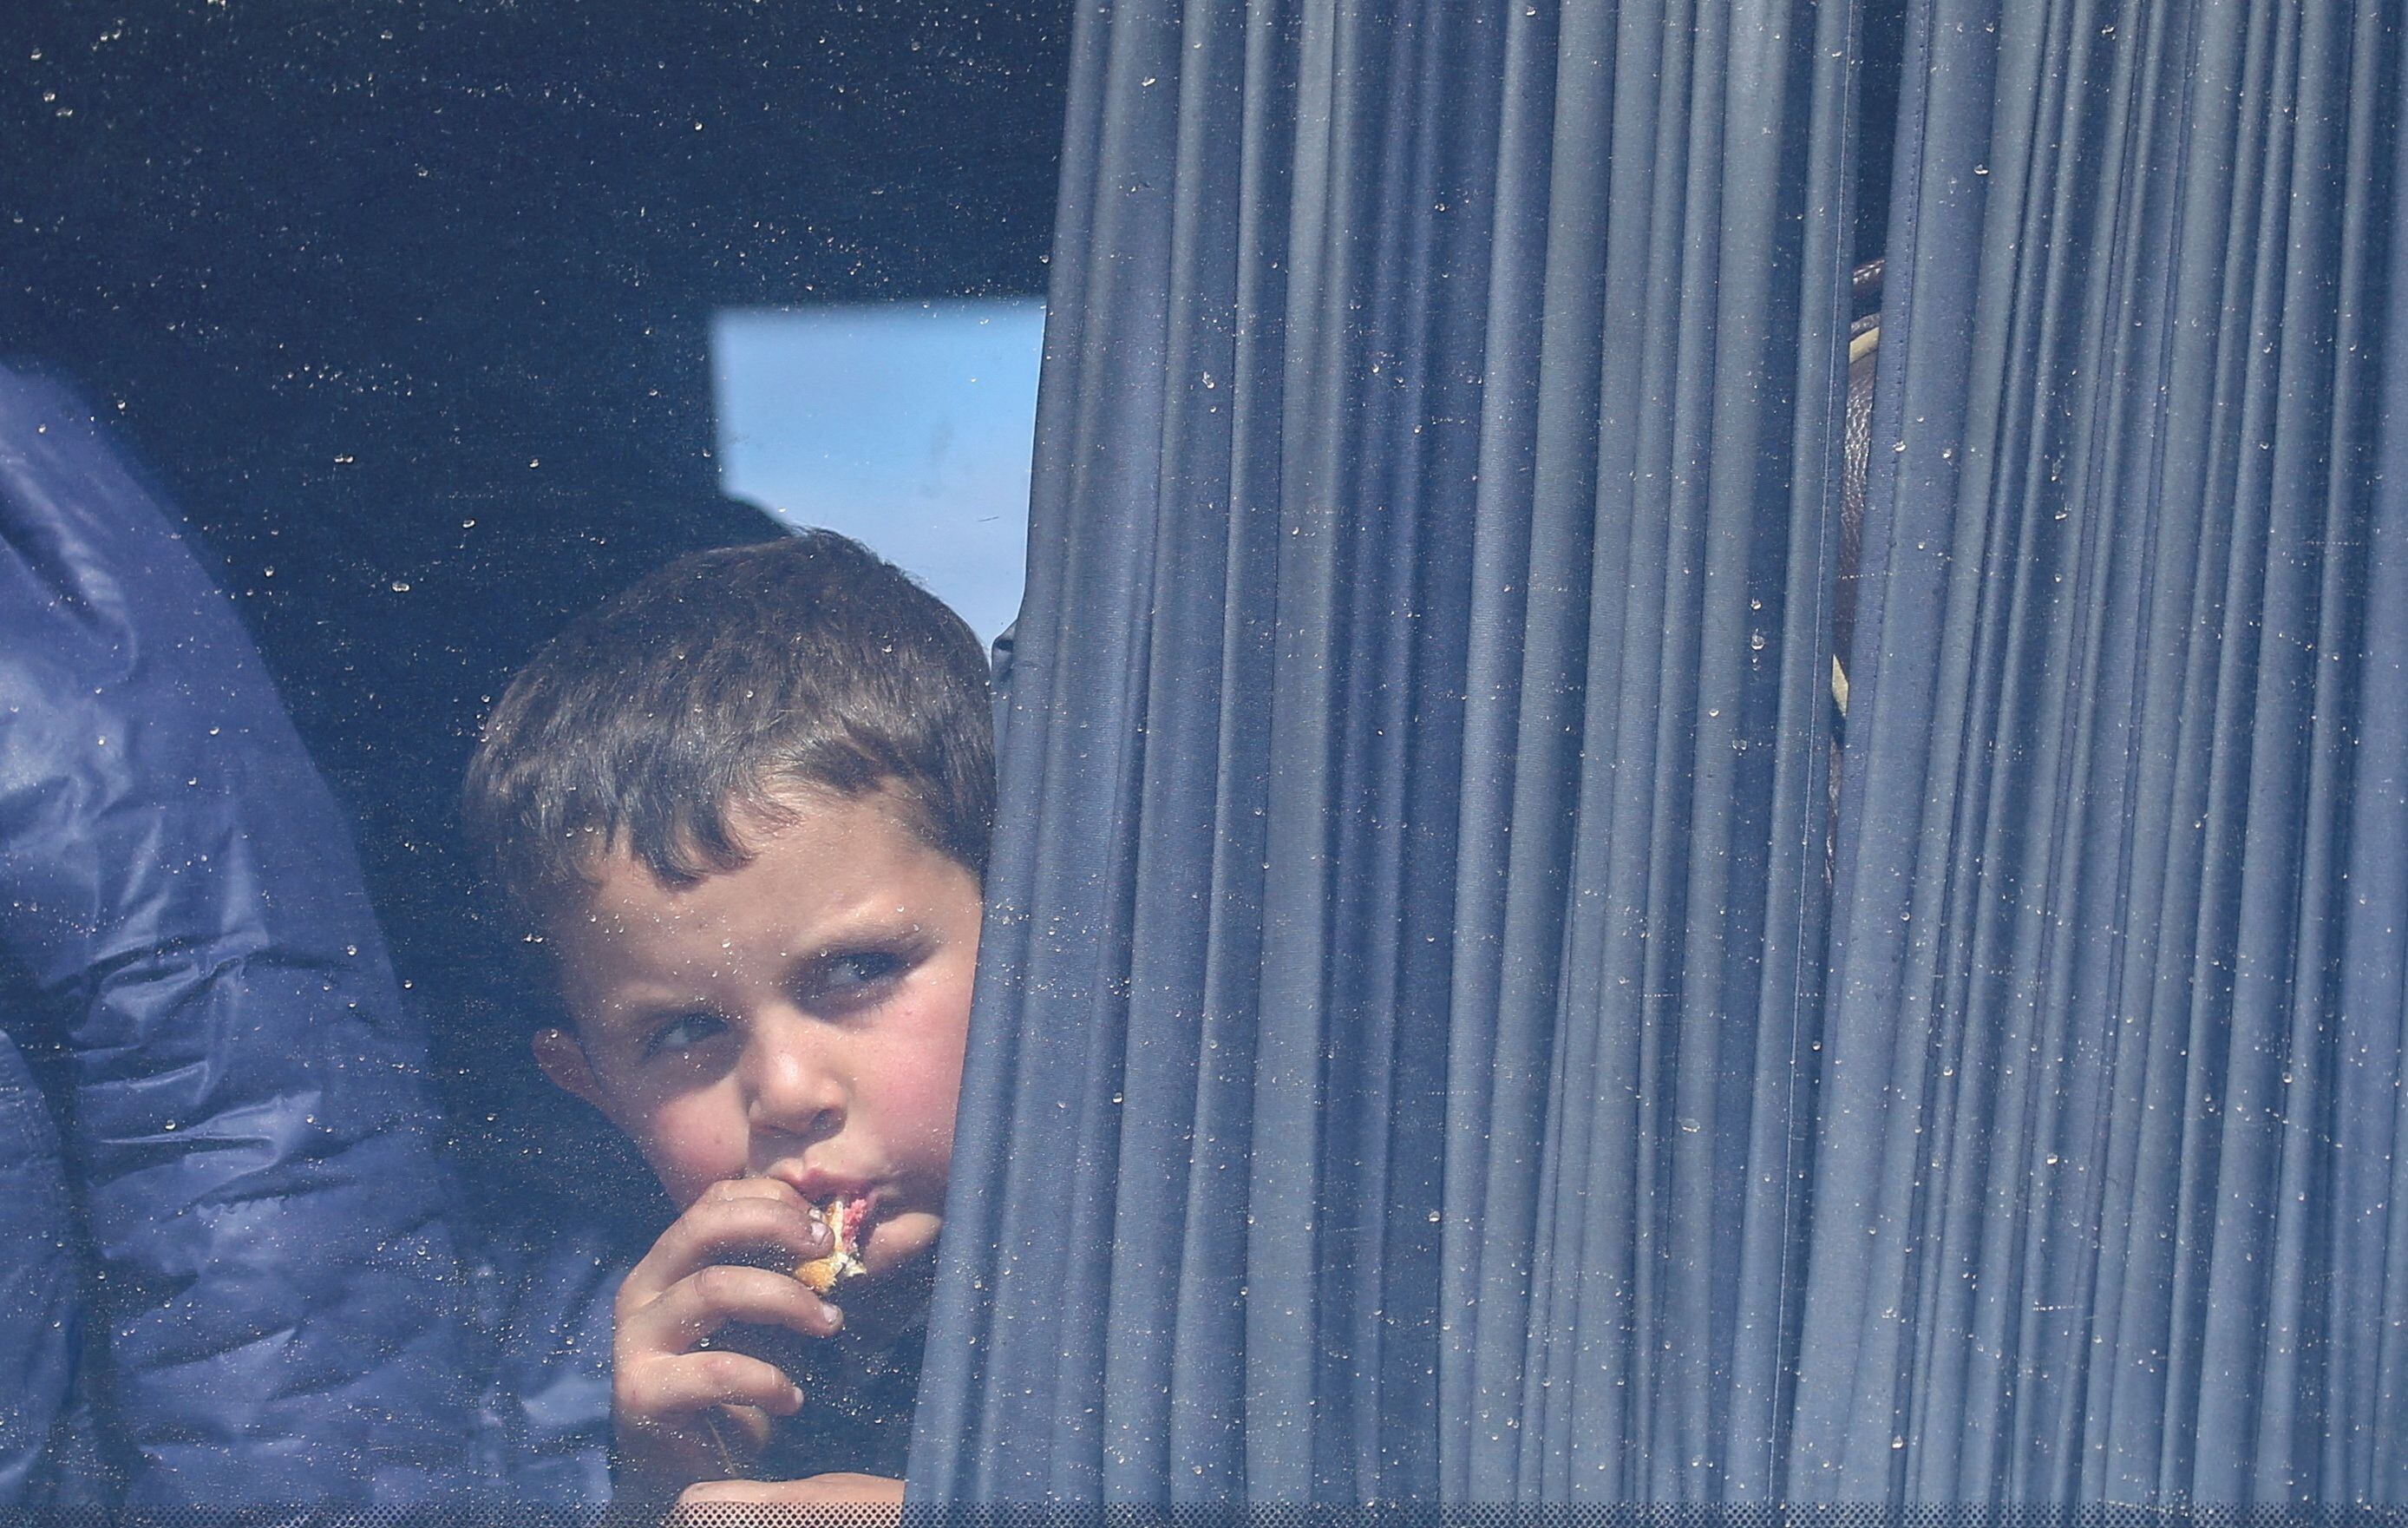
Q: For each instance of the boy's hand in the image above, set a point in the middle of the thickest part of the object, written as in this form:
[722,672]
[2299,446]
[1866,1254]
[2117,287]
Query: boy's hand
[685,1411]
[851,1493]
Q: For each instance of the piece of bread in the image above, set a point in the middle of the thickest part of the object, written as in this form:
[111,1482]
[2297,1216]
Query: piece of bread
[821,1274]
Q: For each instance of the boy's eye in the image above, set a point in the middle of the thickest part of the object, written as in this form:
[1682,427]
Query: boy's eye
[684,1032]
[857,976]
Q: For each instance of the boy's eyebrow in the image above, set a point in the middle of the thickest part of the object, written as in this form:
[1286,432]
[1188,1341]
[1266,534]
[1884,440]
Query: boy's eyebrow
[902,924]
[917,935]
[635,1013]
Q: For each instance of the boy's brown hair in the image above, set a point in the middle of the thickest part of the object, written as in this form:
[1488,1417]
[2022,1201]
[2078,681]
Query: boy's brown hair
[712,686]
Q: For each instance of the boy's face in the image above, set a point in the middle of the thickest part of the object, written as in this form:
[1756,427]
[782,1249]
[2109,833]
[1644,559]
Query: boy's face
[800,1019]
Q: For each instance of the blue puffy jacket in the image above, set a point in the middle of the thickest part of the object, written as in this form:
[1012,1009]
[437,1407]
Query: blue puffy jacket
[225,1272]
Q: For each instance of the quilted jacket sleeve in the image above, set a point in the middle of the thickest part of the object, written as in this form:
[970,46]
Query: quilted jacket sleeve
[247,1122]
[41,1326]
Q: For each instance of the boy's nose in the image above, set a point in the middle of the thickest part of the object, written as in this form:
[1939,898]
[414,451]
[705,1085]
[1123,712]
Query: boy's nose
[794,1090]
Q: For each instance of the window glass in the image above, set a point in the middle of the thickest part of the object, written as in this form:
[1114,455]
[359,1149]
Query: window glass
[401,335]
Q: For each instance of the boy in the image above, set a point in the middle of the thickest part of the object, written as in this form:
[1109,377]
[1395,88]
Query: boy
[747,805]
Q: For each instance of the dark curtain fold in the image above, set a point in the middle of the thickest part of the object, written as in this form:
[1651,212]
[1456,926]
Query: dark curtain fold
[1435,1040]
[1405,914]
[2109,1097]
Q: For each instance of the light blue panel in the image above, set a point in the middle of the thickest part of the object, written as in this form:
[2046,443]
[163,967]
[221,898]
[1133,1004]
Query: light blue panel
[905,425]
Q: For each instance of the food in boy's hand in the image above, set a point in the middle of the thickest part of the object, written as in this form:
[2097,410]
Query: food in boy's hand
[843,1219]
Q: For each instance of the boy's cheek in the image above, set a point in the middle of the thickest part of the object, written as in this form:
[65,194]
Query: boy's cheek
[932,1106]
[688,1153]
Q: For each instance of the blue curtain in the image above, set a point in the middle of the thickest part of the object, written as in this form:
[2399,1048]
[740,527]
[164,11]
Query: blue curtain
[1438,1039]
[2111,1089]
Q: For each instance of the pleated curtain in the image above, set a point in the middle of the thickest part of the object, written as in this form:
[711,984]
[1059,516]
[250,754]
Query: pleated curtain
[1442,1031]
[2109,1116]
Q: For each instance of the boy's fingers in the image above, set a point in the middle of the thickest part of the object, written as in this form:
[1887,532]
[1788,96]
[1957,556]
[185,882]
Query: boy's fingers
[701,1302]
[856,1491]
[676,1384]
[721,1492]
[725,1227]
[735,1189]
